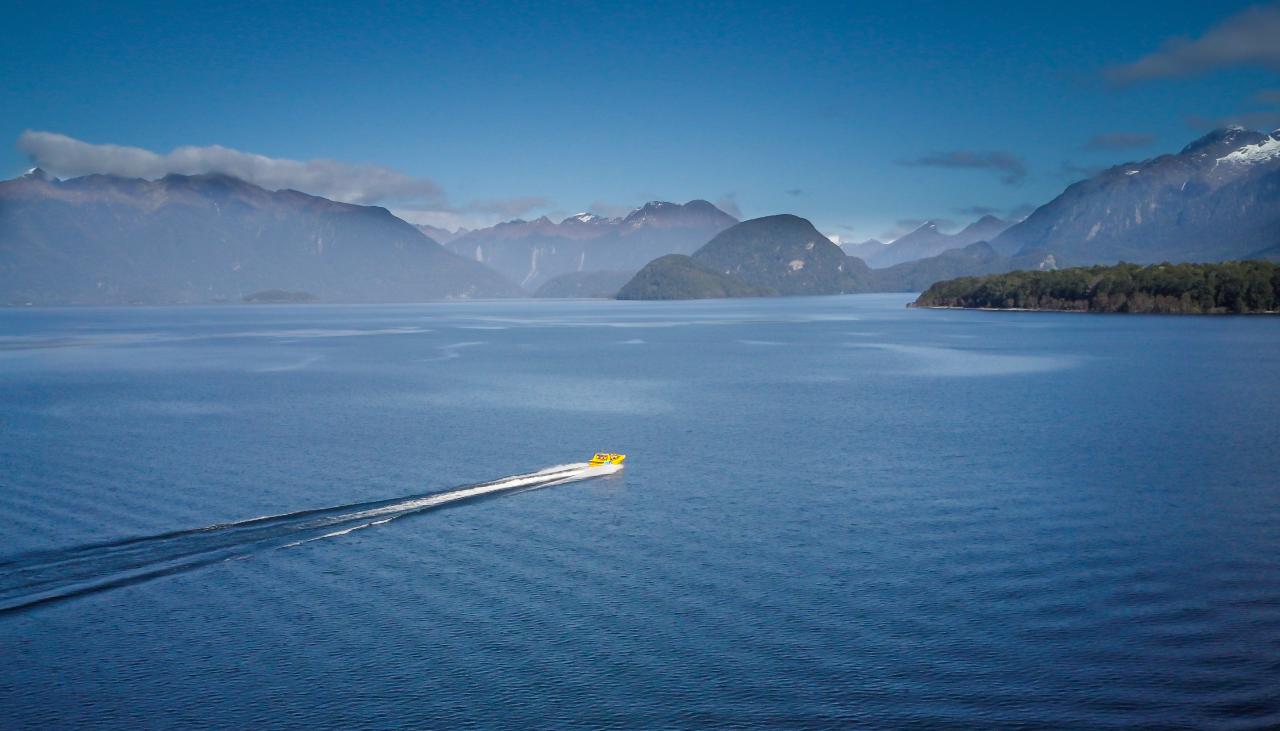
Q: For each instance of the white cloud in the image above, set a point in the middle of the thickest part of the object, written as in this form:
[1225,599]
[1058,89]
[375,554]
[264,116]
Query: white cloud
[729,204]
[364,184]
[418,200]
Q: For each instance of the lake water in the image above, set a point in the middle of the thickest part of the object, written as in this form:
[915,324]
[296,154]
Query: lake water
[835,511]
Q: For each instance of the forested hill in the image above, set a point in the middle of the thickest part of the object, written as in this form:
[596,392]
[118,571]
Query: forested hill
[1227,287]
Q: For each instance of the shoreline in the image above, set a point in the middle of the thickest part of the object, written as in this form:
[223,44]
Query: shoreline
[913,305]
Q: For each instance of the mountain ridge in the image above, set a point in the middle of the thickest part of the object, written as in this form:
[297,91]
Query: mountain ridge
[927,240]
[1216,199]
[531,253]
[101,239]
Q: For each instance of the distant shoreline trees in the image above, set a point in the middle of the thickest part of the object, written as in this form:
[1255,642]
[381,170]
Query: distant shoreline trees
[1223,288]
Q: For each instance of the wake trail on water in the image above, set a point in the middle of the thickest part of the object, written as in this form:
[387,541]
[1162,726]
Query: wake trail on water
[42,577]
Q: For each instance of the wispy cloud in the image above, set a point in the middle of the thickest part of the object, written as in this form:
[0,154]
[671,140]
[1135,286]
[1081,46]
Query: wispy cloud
[1248,38]
[1119,141]
[364,184]
[416,199]
[729,204]
[1008,166]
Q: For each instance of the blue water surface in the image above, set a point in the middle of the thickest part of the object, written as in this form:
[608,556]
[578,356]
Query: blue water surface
[835,512]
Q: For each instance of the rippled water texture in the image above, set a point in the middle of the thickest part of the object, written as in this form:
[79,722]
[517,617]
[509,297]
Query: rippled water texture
[835,511]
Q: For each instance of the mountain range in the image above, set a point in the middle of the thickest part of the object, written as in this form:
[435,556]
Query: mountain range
[785,255]
[927,241]
[531,253]
[1217,199]
[207,238]
[102,239]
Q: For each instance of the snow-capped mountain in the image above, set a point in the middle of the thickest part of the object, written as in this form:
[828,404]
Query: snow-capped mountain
[532,252]
[1253,152]
[1216,199]
[587,219]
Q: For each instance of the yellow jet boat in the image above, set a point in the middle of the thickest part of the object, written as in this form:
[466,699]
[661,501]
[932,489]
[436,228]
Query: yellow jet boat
[603,458]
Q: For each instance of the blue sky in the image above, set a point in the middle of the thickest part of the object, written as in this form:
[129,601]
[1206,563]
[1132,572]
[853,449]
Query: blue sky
[862,117]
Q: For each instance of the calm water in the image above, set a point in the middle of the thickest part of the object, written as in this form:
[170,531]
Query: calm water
[836,511]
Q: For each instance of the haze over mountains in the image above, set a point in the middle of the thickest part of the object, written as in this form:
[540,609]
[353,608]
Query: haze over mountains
[928,241]
[208,238]
[863,249]
[102,239]
[530,253]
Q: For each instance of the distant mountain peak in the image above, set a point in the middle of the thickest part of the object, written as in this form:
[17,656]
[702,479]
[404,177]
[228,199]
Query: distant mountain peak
[666,211]
[646,209]
[928,241]
[1222,139]
[927,228]
[985,227]
[700,204]
[534,252]
[36,173]
[587,217]
[1213,201]
[1267,149]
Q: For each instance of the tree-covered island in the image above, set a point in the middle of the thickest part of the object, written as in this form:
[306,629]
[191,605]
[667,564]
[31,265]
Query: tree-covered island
[1222,288]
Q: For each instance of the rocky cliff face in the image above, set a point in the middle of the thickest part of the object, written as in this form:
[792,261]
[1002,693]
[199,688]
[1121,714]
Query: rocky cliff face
[1217,199]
